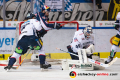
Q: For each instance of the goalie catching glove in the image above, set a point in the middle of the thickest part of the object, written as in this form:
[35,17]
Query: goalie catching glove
[57,25]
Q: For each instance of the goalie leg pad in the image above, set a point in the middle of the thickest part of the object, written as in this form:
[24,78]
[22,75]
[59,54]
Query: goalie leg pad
[82,56]
[90,49]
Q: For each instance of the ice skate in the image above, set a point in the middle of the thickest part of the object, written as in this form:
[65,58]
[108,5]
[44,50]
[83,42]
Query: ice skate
[43,66]
[8,67]
[49,65]
[108,60]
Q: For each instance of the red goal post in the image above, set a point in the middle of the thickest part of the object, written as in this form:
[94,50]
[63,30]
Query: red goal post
[61,22]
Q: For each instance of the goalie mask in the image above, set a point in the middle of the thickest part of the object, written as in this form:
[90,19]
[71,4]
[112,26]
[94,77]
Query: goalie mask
[87,31]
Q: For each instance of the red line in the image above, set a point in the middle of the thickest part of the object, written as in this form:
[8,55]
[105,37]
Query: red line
[6,65]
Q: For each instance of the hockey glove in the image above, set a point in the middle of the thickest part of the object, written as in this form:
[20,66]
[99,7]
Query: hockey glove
[116,27]
[116,24]
[57,25]
[41,33]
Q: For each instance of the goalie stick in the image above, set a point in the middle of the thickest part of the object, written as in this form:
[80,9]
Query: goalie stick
[93,61]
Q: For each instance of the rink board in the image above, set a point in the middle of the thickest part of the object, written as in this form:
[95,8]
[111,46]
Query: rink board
[60,55]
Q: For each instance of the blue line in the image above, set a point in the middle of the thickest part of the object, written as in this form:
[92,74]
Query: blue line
[7,28]
[13,28]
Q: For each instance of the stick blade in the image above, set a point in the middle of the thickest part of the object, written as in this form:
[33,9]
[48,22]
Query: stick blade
[114,60]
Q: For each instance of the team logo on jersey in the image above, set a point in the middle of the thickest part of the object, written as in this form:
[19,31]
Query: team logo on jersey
[75,40]
[112,40]
[72,74]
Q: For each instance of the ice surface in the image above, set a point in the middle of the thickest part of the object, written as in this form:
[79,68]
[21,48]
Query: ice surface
[33,72]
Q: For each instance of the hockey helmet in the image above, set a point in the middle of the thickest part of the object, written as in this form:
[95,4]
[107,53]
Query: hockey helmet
[87,31]
[46,8]
[30,15]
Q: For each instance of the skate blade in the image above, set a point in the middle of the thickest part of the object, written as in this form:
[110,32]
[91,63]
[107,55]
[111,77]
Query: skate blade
[114,60]
[42,69]
[7,70]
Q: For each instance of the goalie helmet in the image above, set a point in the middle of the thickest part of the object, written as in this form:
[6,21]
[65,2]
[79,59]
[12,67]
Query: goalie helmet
[87,31]
[46,8]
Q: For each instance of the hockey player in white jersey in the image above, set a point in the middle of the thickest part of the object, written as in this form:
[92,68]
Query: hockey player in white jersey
[115,41]
[82,40]
[31,32]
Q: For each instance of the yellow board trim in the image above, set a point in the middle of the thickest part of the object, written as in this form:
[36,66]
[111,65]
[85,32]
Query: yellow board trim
[4,56]
[61,55]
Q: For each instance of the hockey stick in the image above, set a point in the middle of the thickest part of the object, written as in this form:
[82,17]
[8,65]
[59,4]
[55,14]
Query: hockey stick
[23,58]
[93,61]
[66,51]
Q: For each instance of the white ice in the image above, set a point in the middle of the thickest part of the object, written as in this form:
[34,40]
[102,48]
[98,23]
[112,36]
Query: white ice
[33,72]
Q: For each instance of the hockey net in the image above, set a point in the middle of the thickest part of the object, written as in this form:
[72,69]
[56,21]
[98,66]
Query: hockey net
[66,25]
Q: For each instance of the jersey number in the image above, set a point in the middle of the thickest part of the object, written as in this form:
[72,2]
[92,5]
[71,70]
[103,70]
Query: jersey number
[78,46]
[23,26]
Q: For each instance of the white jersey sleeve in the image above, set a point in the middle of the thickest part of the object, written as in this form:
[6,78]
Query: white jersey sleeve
[29,27]
[37,25]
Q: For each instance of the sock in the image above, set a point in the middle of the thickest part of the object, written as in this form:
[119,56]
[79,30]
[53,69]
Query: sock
[42,59]
[12,61]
